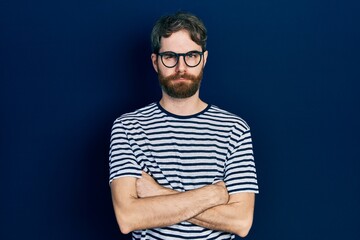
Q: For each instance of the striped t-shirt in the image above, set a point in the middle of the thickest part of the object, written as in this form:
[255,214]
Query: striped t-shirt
[184,153]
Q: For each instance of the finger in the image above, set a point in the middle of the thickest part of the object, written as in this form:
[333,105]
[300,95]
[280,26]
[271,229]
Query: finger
[221,183]
[146,175]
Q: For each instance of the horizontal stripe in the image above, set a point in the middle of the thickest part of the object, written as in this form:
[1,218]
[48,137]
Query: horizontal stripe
[183,153]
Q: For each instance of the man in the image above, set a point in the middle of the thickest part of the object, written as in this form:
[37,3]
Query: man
[181,168]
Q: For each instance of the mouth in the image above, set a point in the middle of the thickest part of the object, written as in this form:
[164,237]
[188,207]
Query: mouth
[181,79]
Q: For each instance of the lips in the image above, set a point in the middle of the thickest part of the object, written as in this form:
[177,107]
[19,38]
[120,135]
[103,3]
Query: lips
[179,79]
[182,77]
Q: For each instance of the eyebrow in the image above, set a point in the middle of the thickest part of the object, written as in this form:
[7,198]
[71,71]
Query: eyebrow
[181,52]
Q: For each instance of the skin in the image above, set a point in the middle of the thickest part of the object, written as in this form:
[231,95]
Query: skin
[142,203]
[180,42]
[235,216]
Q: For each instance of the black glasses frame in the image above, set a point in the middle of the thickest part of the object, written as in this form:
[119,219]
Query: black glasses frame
[178,56]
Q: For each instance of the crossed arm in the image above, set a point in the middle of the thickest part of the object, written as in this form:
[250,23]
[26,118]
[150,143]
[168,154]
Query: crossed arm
[142,203]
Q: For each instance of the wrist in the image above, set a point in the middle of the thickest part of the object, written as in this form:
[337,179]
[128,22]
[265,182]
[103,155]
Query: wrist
[166,191]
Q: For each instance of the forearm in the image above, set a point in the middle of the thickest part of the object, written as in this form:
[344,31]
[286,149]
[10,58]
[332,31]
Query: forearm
[165,210]
[234,217]
[227,218]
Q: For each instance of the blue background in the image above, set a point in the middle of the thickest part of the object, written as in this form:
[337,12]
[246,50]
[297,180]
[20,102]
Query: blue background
[69,68]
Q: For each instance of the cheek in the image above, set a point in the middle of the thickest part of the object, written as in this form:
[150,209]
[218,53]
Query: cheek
[196,71]
[165,71]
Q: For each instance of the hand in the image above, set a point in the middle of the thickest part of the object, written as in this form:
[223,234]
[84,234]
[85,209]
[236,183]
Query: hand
[146,186]
[223,193]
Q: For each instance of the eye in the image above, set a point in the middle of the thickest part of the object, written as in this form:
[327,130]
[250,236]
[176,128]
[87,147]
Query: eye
[169,55]
[192,54]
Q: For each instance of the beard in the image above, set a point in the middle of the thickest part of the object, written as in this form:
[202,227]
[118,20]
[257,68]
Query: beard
[183,89]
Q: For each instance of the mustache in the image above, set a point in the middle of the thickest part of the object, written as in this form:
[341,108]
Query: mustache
[180,75]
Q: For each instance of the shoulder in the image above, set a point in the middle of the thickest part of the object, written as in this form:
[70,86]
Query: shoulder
[138,115]
[224,116]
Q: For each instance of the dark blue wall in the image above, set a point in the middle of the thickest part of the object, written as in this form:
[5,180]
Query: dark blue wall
[69,68]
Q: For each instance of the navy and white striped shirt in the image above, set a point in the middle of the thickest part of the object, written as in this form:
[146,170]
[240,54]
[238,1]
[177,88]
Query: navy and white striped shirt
[184,153]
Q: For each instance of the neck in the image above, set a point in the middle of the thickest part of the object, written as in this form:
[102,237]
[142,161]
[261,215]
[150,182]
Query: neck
[183,106]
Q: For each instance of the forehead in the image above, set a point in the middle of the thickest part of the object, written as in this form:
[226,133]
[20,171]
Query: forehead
[180,42]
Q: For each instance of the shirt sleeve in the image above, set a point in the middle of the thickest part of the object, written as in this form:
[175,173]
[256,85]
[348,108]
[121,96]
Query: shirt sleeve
[240,172]
[122,161]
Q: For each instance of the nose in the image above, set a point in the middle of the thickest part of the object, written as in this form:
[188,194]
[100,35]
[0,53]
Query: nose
[181,65]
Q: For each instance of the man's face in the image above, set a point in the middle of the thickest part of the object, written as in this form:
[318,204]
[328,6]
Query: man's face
[180,81]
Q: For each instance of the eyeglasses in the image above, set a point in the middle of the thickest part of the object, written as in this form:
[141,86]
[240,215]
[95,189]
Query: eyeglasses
[191,59]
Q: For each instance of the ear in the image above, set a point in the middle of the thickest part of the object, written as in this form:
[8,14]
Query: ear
[205,56]
[154,62]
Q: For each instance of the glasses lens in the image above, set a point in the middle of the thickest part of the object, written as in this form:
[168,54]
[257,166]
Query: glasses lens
[169,59]
[192,59]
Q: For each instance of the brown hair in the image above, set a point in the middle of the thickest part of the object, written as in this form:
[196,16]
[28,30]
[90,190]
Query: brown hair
[169,24]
